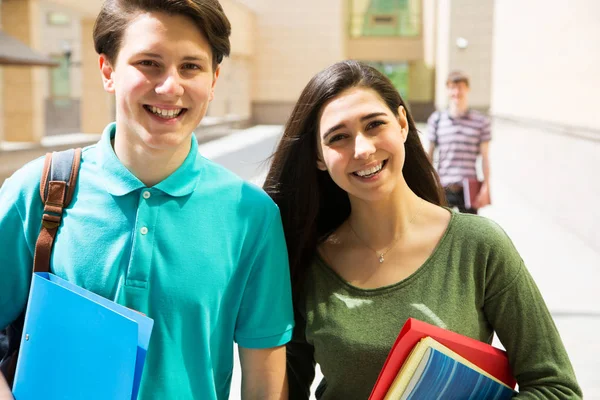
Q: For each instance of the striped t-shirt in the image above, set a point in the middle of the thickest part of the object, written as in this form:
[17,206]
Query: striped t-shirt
[458,141]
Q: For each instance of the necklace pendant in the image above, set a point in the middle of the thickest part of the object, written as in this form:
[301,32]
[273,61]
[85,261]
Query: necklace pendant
[381,259]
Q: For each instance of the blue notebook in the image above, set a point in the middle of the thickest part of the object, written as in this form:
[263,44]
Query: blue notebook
[439,376]
[78,345]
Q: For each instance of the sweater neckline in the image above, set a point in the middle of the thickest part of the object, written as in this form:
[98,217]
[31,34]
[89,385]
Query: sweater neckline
[384,289]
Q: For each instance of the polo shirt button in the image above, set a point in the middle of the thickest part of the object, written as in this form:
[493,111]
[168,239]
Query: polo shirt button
[144,230]
[146,195]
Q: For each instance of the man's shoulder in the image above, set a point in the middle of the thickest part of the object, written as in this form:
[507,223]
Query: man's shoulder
[234,188]
[25,181]
[478,116]
[435,116]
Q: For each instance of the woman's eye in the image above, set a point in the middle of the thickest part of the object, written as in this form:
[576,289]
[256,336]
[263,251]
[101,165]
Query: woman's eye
[336,138]
[375,124]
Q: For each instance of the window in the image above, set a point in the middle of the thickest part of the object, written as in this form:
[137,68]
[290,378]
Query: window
[385,18]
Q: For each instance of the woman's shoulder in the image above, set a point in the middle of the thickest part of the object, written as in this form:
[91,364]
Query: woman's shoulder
[479,229]
[487,242]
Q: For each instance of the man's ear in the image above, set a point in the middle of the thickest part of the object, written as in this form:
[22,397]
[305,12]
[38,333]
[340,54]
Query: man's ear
[106,69]
[403,121]
[215,77]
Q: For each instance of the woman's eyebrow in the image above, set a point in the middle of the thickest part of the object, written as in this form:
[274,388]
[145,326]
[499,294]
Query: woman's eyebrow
[363,118]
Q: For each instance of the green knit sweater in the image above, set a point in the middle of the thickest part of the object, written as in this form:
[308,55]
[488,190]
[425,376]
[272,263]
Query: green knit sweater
[474,283]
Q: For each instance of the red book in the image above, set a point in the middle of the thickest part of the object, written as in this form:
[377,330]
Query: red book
[487,357]
[471,188]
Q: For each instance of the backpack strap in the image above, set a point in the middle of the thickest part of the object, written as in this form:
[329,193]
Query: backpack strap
[57,185]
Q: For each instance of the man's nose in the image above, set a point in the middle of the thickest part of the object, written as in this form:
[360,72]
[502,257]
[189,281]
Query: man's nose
[170,84]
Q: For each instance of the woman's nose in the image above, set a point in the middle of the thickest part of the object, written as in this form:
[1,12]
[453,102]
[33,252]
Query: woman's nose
[363,147]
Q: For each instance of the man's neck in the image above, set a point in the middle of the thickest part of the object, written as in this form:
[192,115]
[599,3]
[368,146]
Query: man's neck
[148,165]
[457,110]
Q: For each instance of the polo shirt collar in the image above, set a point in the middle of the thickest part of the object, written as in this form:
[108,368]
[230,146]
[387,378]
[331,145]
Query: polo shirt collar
[466,114]
[119,181]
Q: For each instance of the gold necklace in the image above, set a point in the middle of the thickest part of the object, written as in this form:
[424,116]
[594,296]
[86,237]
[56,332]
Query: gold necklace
[381,255]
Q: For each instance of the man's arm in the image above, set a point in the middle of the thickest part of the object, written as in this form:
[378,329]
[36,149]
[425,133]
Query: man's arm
[483,198]
[5,393]
[432,125]
[263,374]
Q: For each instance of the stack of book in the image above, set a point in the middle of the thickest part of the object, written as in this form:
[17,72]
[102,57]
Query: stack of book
[428,362]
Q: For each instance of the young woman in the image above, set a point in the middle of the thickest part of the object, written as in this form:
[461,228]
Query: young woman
[370,245]
[155,226]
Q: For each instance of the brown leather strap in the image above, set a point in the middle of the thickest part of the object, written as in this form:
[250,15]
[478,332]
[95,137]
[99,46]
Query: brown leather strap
[54,205]
[74,175]
[56,198]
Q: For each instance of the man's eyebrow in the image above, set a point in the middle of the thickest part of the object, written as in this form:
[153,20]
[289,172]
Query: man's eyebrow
[186,58]
[363,118]
[195,58]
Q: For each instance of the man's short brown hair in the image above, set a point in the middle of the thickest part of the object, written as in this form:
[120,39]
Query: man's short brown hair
[456,77]
[208,16]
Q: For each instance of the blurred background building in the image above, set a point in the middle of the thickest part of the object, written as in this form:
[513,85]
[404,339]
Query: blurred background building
[534,73]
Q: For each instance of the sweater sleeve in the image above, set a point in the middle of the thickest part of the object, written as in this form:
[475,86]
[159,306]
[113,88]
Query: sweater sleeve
[300,361]
[516,309]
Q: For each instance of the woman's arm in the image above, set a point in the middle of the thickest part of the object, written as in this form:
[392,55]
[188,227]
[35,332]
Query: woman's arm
[300,362]
[517,311]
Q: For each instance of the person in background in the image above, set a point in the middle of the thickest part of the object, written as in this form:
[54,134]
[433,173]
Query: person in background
[155,226]
[370,245]
[460,134]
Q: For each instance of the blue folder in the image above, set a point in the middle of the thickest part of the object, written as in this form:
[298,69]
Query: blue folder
[78,345]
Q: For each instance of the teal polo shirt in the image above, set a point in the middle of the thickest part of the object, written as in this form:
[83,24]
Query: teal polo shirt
[202,253]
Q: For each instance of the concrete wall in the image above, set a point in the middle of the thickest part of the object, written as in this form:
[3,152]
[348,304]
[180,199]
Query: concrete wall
[233,93]
[294,41]
[23,95]
[233,90]
[55,37]
[547,70]
[545,79]
[471,20]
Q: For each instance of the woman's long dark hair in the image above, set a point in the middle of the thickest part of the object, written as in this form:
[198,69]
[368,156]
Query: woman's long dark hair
[312,206]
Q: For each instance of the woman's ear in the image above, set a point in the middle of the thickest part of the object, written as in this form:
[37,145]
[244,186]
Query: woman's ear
[403,121]
[106,70]
[321,164]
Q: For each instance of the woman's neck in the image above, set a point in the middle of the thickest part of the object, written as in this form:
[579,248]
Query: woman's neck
[380,223]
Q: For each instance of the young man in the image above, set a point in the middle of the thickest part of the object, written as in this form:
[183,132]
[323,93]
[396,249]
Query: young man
[461,135]
[155,226]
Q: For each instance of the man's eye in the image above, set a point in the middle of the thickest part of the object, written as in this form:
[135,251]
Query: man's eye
[147,63]
[191,66]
